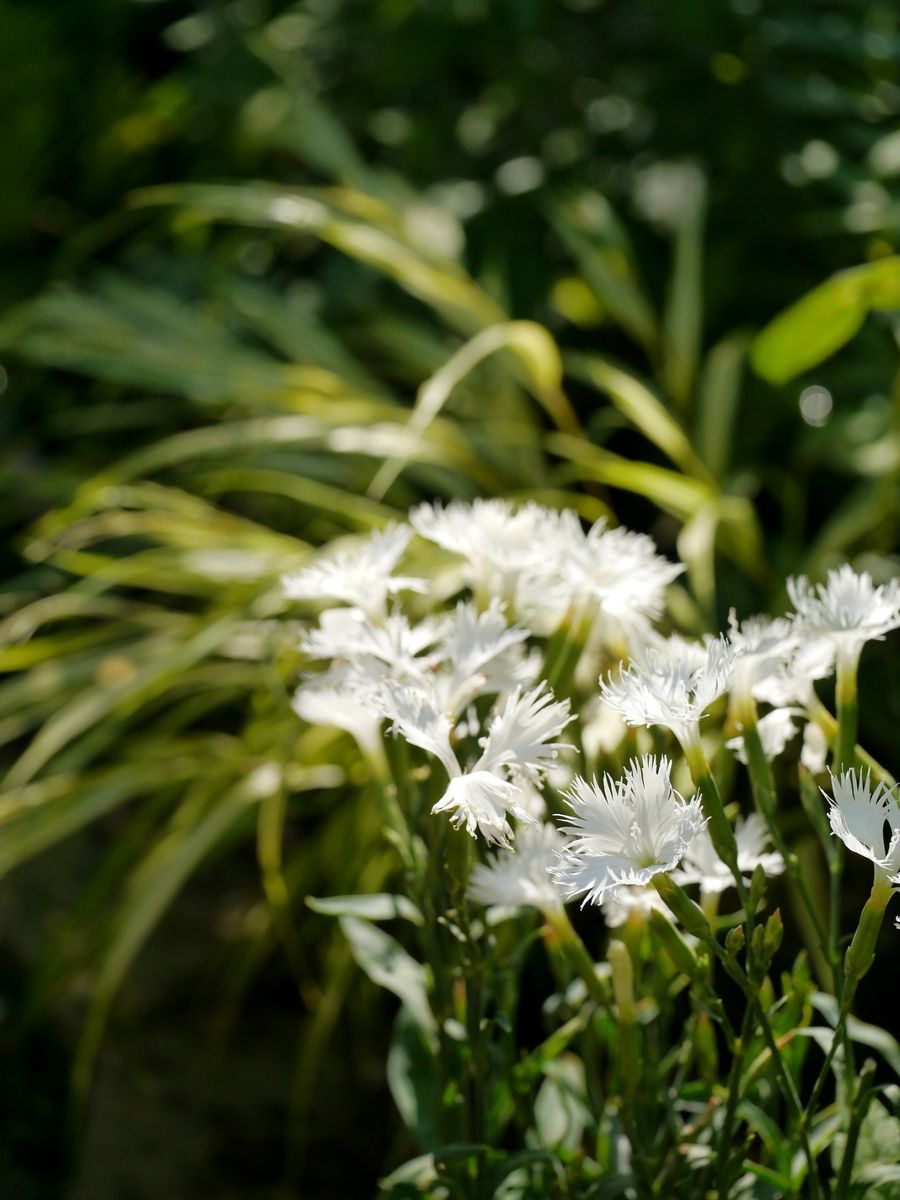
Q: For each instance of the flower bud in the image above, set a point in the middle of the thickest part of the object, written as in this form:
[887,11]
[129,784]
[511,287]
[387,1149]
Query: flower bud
[679,902]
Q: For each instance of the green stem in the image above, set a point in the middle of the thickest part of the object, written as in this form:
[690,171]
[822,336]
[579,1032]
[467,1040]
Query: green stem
[833,851]
[576,952]
[859,1105]
[719,827]
[785,1079]
[626,1012]
[762,785]
[847,712]
[828,724]
[734,1085]
[836,874]
[565,649]
[857,961]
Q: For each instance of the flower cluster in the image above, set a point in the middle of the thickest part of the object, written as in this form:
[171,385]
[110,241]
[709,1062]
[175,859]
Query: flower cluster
[465,685]
[538,735]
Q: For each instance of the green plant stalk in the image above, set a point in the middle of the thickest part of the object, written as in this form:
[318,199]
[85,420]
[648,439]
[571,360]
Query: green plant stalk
[477,1089]
[836,877]
[623,992]
[811,799]
[629,1047]
[857,961]
[718,825]
[739,1053]
[565,649]
[786,1083]
[862,1095]
[828,724]
[762,785]
[575,952]
[847,712]
[833,850]
[691,916]
[398,796]
[460,858]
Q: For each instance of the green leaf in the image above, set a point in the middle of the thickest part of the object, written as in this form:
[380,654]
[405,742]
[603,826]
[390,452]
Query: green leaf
[536,352]
[675,493]
[419,1172]
[825,319]
[683,315]
[639,405]
[412,1076]
[358,226]
[561,1111]
[389,966]
[93,705]
[718,401]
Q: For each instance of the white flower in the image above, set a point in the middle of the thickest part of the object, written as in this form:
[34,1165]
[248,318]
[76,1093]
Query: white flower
[620,572]
[625,831]
[815,749]
[497,541]
[775,730]
[848,609]
[334,703]
[866,821]
[483,802]
[519,734]
[414,716]
[519,877]
[516,752]
[761,645]
[361,576]
[479,654]
[702,865]
[349,634]
[793,681]
[620,902]
[672,685]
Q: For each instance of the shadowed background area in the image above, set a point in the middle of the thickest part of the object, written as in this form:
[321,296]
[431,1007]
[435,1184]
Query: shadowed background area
[249,249]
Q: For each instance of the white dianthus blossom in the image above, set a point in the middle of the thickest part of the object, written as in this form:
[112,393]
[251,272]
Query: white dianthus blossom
[620,573]
[483,802]
[848,609]
[793,682]
[361,576]
[672,685]
[331,700]
[517,751]
[761,646]
[349,634]
[620,902]
[625,831]
[702,865]
[519,877]
[519,737]
[498,542]
[815,749]
[775,730]
[867,821]
[479,654]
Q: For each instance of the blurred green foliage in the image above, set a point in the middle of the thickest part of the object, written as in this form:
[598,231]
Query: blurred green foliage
[513,248]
